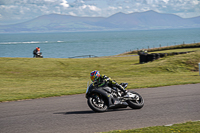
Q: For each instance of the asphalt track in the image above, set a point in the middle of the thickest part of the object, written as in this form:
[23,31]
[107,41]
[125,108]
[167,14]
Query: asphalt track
[71,114]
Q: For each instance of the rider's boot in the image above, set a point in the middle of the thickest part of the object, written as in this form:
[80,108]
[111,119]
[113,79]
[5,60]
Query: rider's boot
[124,94]
[122,89]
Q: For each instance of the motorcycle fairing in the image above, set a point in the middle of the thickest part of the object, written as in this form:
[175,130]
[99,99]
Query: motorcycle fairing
[106,92]
[109,97]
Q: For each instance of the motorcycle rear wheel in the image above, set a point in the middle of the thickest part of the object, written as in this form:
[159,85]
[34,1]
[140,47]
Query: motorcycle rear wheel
[136,104]
[97,103]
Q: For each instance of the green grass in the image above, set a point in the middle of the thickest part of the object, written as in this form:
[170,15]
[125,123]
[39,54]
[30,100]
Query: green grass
[168,49]
[177,50]
[29,78]
[189,127]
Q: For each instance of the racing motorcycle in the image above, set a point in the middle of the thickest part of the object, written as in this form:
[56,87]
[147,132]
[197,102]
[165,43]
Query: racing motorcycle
[103,98]
[39,55]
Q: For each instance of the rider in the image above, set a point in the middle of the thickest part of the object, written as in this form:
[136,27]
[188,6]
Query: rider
[100,81]
[38,50]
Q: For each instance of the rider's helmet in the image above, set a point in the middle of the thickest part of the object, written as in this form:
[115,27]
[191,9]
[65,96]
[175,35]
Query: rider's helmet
[94,75]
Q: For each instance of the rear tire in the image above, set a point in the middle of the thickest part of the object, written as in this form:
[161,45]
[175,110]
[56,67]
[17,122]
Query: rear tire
[136,104]
[97,103]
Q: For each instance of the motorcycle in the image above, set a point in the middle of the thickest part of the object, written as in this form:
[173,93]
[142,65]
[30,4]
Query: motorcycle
[39,55]
[104,98]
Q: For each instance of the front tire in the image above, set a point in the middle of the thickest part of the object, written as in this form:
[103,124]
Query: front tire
[136,104]
[97,103]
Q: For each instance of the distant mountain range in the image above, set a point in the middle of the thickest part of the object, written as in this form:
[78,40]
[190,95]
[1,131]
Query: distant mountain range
[120,21]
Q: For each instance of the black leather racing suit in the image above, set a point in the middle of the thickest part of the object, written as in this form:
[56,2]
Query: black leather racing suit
[104,80]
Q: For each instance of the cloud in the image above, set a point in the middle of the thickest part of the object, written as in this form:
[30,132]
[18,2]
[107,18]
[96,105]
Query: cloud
[91,7]
[64,3]
[71,13]
[166,1]
[21,10]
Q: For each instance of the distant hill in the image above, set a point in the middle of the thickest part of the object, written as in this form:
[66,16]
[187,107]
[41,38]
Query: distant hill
[119,21]
[148,20]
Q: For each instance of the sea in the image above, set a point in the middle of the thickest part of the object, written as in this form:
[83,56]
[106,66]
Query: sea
[92,44]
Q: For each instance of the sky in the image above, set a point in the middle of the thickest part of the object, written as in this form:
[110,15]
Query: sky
[15,11]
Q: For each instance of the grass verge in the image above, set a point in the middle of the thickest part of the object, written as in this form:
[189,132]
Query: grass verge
[188,127]
[175,48]
[29,78]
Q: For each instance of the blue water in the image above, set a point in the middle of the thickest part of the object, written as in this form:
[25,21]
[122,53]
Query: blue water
[65,45]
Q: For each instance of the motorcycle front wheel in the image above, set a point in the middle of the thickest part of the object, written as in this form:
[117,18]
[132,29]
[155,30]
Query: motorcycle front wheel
[97,103]
[136,103]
